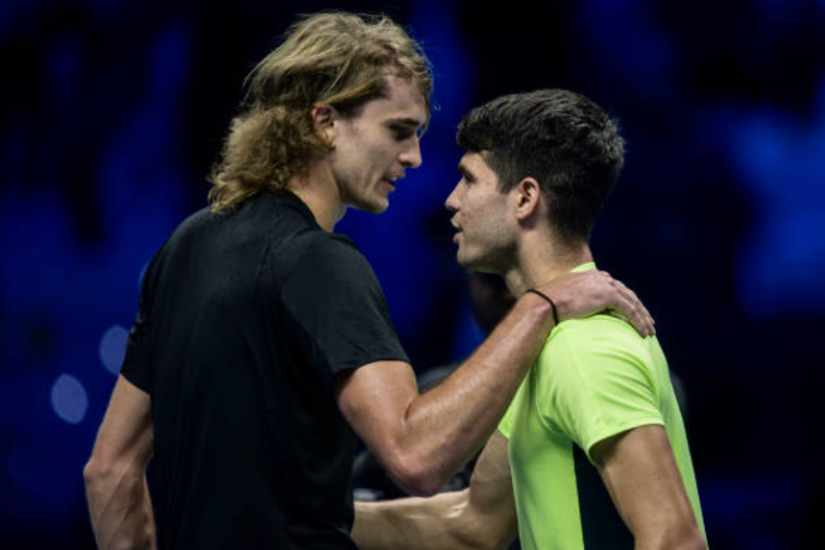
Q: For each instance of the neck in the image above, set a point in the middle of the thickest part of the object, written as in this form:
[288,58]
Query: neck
[316,188]
[542,260]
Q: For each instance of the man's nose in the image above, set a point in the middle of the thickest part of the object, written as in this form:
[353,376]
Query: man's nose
[411,156]
[452,203]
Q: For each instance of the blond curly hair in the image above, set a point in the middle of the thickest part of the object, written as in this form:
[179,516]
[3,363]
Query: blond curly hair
[332,58]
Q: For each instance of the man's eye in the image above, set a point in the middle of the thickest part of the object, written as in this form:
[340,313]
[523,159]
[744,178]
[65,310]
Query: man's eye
[402,133]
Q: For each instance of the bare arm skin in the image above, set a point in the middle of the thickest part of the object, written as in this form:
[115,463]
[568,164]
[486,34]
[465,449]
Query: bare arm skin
[422,440]
[481,516]
[641,475]
[115,475]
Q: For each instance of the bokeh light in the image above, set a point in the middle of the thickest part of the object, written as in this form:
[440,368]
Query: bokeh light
[113,348]
[69,399]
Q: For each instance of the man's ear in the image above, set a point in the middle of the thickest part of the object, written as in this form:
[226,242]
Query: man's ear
[323,119]
[528,199]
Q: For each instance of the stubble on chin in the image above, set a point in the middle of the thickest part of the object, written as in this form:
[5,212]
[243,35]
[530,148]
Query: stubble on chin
[371,207]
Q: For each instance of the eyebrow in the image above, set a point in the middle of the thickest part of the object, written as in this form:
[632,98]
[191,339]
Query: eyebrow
[406,121]
[466,172]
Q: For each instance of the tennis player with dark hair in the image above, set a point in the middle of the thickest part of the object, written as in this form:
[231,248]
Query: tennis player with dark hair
[263,343]
[592,452]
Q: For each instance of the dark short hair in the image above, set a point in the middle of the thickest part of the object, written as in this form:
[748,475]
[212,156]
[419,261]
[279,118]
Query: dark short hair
[560,138]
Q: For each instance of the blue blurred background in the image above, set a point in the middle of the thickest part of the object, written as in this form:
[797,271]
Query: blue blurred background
[113,111]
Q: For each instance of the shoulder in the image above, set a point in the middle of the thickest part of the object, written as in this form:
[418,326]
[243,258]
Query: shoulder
[334,244]
[327,267]
[292,228]
[194,224]
[601,325]
[329,251]
[584,352]
[595,378]
[596,336]
[179,239]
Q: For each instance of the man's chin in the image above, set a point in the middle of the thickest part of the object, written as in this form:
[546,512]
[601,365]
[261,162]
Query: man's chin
[476,264]
[464,261]
[376,207]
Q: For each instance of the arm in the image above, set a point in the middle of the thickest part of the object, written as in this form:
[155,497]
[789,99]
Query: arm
[115,475]
[421,440]
[641,475]
[481,516]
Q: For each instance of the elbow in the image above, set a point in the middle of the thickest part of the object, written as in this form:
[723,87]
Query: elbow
[97,471]
[93,472]
[416,477]
[420,487]
[419,483]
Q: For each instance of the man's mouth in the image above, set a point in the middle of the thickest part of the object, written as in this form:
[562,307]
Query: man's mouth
[390,181]
[458,231]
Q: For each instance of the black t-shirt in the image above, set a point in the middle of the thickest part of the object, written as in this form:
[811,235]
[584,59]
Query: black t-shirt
[244,320]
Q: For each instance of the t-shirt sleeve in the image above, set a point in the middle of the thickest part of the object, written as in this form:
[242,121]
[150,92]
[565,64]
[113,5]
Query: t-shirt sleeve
[137,362]
[598,381]
[338,309]
[506,424]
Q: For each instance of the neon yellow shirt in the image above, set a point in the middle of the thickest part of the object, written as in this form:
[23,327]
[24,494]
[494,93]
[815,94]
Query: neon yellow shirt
[595,378]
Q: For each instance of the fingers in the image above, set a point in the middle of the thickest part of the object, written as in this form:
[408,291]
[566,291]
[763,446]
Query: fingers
[632,309]
[646,317]
[579,295]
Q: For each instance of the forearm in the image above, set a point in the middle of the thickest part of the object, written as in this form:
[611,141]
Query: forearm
[446,426]
[444,521]
[423,439]
[120,509]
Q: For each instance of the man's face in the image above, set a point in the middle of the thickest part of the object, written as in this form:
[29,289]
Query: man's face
[484,218]
[374,148]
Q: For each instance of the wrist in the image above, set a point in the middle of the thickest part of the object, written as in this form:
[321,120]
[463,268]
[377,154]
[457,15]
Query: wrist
[539,308]
[554,310]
